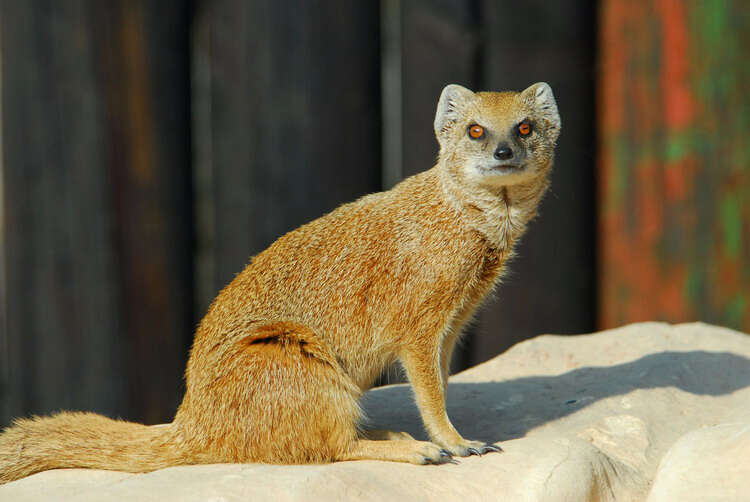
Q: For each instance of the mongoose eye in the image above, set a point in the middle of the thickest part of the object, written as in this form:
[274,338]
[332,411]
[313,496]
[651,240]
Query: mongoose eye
[524,128]
[476,131]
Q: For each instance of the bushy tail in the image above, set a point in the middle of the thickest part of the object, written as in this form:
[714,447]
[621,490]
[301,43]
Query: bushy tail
[84,440]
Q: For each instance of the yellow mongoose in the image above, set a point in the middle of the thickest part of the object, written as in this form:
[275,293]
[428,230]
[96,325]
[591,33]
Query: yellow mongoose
[285,351]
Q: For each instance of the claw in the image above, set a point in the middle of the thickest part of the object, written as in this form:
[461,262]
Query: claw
[488,448]
[473,451]
[445,458]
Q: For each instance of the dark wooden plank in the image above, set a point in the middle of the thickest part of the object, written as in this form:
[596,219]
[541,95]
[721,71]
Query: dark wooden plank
[96,165]
[63,322]
[438,43]
[295,118]
[440,47]
[551,285]
[154,215]
[144,75]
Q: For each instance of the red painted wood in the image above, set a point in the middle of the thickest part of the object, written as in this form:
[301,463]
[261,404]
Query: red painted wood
[674,164]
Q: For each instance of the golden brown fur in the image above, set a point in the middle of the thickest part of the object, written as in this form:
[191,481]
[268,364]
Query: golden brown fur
[286,350]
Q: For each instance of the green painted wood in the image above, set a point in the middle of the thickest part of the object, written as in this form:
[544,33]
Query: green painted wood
[675,162]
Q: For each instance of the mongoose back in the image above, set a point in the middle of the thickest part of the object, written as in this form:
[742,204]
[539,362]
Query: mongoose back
[287,349]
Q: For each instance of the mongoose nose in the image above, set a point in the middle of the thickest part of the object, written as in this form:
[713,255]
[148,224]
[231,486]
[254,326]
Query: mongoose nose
[503,152]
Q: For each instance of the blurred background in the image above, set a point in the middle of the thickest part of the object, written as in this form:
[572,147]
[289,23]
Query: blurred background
[148,149]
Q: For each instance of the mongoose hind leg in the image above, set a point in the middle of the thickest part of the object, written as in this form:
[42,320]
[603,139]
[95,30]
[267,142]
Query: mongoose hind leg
[315,405]
[398,450]
[382,434]
[278,396]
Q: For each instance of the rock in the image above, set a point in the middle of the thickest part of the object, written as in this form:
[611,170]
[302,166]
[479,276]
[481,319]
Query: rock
[596,417]
[711,464]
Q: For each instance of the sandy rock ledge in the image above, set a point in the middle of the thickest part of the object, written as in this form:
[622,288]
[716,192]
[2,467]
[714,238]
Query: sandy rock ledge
[644,412]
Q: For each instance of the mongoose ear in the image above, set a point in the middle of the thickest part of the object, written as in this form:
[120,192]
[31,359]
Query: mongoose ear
[541,98]
[450,108]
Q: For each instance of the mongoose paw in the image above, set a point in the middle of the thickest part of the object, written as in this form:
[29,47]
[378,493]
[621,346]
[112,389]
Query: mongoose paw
[445,458]
[432,454]
[467,448]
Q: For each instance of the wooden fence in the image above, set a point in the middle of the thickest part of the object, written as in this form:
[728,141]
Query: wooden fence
[674,222]
[150,148]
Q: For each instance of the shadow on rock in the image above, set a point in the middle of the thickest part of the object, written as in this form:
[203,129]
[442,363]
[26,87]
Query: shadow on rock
[493,411]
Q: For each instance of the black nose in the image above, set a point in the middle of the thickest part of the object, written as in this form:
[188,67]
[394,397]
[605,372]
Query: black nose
[503,152]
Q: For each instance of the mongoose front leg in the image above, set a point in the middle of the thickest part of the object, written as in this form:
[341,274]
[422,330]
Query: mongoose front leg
[446,354]
[424,367]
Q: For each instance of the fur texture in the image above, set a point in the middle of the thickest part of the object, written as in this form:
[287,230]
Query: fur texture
[285,351]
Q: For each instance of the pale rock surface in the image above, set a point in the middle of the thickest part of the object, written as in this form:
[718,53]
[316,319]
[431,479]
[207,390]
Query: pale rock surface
[648,411]
[706,465]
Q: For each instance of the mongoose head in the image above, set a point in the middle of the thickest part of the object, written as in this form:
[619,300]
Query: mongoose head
[497,138]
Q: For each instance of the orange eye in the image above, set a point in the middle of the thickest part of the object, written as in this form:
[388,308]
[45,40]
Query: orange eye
[524,128]
[476,131]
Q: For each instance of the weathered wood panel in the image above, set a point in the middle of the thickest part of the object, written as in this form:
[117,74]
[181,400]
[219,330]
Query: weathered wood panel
[293,103]
[439,45]
[551,284]
[144,76]
[95,158]
[498,46]
[64,329]
[675,162]
[286,121]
